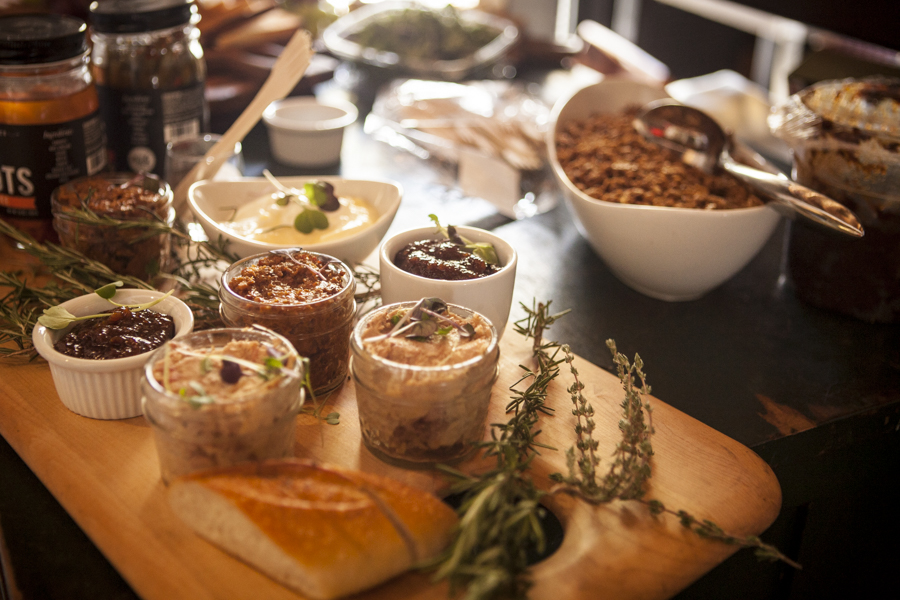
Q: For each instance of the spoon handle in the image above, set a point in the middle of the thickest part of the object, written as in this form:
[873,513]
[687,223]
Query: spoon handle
[795,198]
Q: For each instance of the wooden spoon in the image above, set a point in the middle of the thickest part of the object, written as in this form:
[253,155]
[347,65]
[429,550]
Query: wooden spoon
[286,72]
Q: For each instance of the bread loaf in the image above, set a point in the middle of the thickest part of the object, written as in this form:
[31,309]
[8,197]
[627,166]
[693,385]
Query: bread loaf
[320,530]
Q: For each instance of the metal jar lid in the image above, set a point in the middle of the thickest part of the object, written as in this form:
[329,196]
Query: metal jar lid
[137,16]
[40,38]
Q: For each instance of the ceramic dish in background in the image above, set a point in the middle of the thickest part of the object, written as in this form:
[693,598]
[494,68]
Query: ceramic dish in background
[666,253]
[104,389]
[213,202]
[307,132]
[336,39]
[491,296]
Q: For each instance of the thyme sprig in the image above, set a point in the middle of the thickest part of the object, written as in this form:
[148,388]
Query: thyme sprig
[630,469]
[501,509]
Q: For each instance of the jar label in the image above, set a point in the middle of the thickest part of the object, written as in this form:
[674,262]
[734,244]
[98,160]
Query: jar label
[142,122]
[36,159]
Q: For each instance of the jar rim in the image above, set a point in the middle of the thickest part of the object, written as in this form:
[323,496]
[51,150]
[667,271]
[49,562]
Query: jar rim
[260,333]
[358,348]
[140,16]
[36,38]
[237,266]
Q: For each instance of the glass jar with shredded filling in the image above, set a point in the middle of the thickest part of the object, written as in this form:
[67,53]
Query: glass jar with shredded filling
[423,397]
[221,397]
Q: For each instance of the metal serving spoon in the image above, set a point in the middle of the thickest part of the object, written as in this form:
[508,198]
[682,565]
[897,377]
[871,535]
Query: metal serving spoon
[702,143]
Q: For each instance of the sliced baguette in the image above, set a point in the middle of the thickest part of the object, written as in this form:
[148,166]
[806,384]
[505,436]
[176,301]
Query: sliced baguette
[320,530]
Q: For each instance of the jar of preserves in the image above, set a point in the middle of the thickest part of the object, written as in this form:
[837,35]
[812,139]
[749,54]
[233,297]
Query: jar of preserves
[305,296]
[50,126]
[148,64]
[131,244]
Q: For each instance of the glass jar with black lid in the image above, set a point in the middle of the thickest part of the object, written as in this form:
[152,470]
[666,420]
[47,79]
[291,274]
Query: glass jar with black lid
[50,126]
[148,64]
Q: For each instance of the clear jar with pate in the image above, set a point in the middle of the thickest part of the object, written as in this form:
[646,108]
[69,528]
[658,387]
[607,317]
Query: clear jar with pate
[423,399]
[305,296]
[222,397]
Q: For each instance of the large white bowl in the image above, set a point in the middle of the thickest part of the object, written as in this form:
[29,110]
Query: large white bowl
[214,201]
[491,296]
[666,253]
[104,389]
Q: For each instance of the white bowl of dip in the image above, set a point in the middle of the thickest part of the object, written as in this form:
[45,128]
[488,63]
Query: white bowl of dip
[214,204]
[111,388]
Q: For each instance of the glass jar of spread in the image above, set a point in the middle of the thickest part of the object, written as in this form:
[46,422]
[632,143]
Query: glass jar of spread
[50,127]
[845,140]
[150,72]
[423,393]
[221,397]
[82,209]
[307,297]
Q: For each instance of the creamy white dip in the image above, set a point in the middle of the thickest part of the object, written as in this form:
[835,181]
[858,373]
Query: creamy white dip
[264,220]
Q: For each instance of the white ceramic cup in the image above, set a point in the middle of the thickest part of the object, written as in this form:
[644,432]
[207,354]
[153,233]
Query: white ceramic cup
[491,296]
[104,389]
[306,132]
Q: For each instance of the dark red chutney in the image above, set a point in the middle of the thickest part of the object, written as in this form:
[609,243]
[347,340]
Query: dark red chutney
[442,259]
[123,333]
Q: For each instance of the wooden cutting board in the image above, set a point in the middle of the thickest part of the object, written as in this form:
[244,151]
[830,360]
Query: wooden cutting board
[105,474]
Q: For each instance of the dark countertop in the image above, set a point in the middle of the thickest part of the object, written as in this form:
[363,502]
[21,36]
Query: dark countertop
[816,394]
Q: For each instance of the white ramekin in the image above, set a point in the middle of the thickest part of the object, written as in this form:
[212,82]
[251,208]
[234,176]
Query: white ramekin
[104,389]
[491,296]
[307,132]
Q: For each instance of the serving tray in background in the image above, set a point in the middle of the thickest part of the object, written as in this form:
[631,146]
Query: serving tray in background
[106,475]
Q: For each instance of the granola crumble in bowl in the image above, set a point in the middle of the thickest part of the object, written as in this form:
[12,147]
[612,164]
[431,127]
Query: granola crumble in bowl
[663,228]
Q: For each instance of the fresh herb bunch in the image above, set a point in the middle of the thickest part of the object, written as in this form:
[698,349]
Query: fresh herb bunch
[500,512]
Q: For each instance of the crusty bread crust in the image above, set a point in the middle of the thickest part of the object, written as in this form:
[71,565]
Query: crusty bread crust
[320,530]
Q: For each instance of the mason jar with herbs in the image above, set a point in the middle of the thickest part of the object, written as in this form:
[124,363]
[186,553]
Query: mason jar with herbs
[50,126]
[122,220]
[150,72]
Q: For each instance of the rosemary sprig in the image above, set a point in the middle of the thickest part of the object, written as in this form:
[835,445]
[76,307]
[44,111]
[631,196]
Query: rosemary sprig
[500,511]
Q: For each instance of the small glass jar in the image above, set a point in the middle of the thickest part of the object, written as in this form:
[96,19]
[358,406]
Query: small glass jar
[432,412]
[264,289]
[845,140]
[205,415]
[150,72]
[134,251]
[50,126]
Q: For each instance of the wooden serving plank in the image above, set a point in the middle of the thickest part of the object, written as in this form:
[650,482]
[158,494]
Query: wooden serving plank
[106,475]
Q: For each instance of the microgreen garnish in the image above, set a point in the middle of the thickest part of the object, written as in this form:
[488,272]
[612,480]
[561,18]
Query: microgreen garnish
[315,197]
[423,320]
[108,290]
[56,317]
[483,250]
[308,220]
